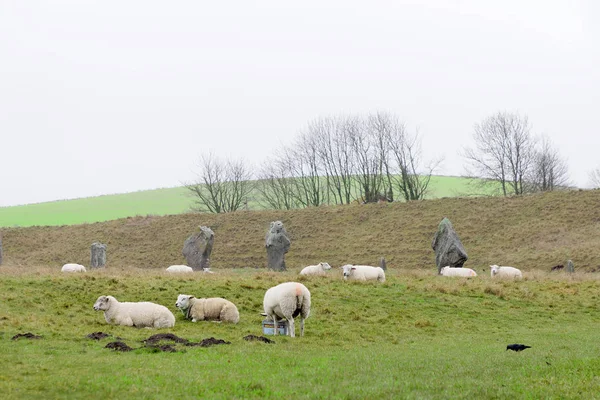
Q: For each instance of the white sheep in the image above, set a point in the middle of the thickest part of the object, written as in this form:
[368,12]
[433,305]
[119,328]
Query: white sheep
[142,314]
[179,268]
[210,309]
[73,268]
[363,272]
[287,300]
[319,269]
[461,272]
[505,272]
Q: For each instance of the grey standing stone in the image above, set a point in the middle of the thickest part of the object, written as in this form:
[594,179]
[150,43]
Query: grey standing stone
[449,251]
[277,244]
[98,259]
[197,249]
[382,264]
[570,266]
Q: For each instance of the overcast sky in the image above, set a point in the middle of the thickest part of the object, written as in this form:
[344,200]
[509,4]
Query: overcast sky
[100,97]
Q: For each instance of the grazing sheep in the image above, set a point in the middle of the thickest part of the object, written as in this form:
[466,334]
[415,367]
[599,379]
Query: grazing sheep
[363,272]
[505,272]
[211,309]
[463,272]
[179,268]
[319,269]
[288,300]
[73,268]
[142,314]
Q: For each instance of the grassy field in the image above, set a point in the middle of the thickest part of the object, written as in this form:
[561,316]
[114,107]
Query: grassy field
[415,336]
[159,202]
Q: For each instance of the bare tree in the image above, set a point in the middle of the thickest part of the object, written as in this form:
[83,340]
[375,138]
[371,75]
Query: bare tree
[411,177]
[595,178]
[335,152]
[276,185]
[305,164]
[504,151]
[369,165]
[549,170]
[222,186]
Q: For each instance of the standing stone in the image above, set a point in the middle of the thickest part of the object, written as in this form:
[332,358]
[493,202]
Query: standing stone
[98,259]
[197,249]
[277,244]
[0,248]
[570,266]
[382,264]
[449,251]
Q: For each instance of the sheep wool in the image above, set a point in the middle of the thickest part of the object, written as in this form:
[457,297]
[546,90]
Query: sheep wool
[460,272]
[179,268]
[73,268]
[505,272]
[288,300]
[319,269]
[209,309]
[363,273]
[140,314]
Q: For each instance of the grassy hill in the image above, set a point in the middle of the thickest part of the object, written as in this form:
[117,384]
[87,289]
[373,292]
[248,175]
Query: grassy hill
[531,232]
[156,202]
[416,335]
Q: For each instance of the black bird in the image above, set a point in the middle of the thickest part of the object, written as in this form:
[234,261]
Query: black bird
[517,347]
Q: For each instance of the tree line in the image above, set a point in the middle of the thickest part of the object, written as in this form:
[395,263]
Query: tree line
[371,158]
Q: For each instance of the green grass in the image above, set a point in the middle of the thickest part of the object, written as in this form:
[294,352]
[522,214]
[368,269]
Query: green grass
[414,336]
[100,208]
[166,201]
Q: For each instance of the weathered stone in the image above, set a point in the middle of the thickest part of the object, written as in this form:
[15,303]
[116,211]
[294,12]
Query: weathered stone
[570,266]
[197,249]
[98,258]
[382,264]
[448,248]
[277,244]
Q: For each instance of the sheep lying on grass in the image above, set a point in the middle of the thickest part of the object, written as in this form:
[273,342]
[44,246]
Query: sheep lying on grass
[461,272]
[363,272]
[142,314]
[73,268]
[505,272]
[288,300]
[319,269]
[211,309]
[179,268]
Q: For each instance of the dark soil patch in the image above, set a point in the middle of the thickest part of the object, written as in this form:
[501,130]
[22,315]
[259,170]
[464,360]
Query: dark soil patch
[254,338]
[118,346]
[211,341]
[98,335]
[155,339]
[165,347]
[27,335]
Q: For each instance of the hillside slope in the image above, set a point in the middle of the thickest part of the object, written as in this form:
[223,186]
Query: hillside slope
[168,201]
[531,232]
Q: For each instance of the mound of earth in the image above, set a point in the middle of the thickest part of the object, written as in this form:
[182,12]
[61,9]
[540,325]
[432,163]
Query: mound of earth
[27,335]
[254,338]
[98,335]
[211,341]
[118,346]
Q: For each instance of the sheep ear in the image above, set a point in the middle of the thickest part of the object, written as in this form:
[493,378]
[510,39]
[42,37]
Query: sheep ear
[353,268]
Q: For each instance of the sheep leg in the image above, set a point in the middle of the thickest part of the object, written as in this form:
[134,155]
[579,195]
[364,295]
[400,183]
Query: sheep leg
[274,324]
[301,326]
[292,327]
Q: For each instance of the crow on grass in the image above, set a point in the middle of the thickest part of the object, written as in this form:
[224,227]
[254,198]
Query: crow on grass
[517,347]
